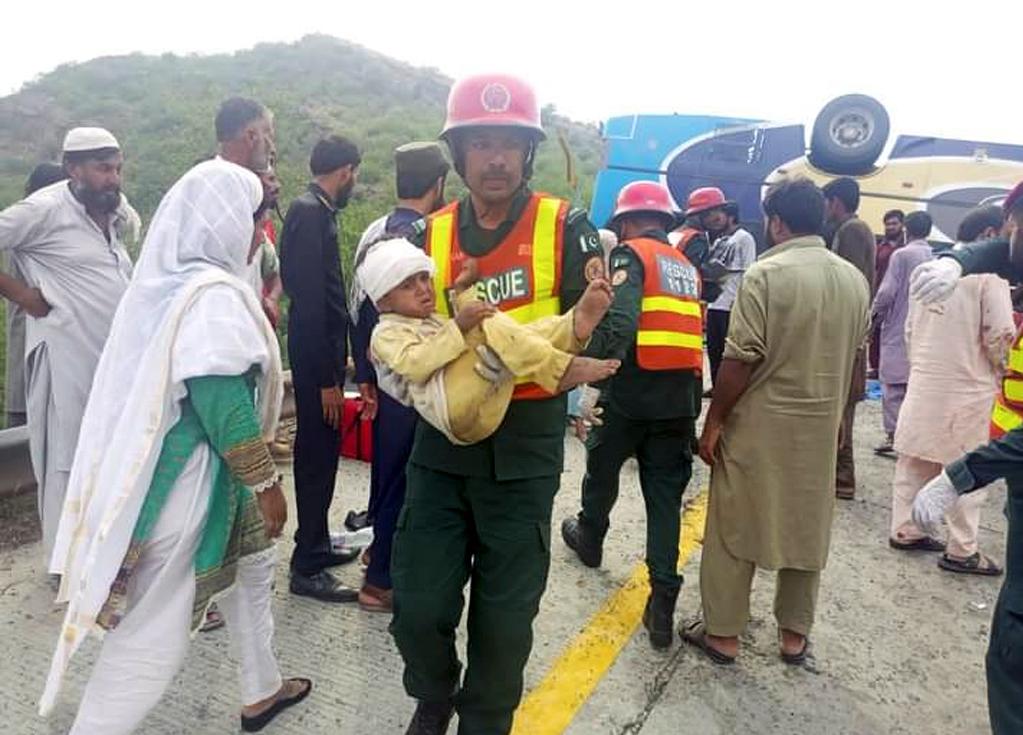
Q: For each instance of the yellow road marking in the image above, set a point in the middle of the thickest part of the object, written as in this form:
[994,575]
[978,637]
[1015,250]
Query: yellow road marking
[550,707]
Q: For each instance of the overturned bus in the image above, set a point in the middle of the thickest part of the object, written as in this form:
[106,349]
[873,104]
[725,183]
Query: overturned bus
[850,137]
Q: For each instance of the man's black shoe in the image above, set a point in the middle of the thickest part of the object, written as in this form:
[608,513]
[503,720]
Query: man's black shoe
[356,521]
[322,586]
[431,718]
[658,617]
[338,557]
[577,539]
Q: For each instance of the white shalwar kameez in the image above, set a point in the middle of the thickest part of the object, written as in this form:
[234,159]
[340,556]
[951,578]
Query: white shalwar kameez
[56,247]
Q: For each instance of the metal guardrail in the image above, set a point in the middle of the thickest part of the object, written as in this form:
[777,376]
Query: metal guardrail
[15,462]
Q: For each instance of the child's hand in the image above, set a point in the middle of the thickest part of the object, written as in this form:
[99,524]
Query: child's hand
[472,315]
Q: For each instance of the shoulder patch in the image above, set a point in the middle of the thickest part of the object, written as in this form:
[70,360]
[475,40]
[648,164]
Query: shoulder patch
[619,277]
[594,268]
[589,242]
[419,226]
[619,261]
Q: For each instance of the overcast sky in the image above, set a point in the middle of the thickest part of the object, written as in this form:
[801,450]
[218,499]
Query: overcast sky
[938,71]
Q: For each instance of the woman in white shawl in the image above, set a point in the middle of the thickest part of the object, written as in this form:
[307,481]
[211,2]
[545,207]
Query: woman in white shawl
[173,496]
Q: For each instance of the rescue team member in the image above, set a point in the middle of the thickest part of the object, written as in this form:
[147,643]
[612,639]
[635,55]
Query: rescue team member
[692,237]
[483,511]
[650,407]
[1002,457]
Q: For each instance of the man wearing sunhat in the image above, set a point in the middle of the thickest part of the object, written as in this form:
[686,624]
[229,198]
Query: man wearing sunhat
[66,240]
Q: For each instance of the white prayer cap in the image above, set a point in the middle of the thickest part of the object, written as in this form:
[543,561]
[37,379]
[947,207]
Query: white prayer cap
[89,139]
[388,263]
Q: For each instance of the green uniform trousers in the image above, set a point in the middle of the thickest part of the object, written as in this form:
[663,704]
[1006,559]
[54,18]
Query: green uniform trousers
[454,529]
[725,583]
[1005,651]
[663,448]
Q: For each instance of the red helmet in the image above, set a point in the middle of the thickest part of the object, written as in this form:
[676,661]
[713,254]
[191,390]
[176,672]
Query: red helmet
[493,100]
[701,200]
[644,196]
[1013,198]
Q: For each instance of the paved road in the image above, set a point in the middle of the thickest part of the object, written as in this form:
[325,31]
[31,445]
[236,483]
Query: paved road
[899,643]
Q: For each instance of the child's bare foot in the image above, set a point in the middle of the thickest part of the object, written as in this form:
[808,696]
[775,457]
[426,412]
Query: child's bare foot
[591,308]
[587,370]
[469,274]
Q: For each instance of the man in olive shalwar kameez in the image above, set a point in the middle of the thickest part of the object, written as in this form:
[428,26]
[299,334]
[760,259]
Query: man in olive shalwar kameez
[772,429]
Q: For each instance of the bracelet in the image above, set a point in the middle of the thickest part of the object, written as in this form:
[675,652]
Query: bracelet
[267,484]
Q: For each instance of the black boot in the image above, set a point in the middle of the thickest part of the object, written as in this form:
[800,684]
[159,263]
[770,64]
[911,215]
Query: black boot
[658,615]
[431,718]
[578,539]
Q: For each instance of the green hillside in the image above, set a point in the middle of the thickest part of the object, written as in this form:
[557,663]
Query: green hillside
[161,109]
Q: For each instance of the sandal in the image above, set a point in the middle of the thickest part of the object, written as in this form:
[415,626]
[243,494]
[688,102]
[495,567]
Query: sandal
[264,718]
[925,543]
[976,563]
[695,634]
[797,659]
[376,599]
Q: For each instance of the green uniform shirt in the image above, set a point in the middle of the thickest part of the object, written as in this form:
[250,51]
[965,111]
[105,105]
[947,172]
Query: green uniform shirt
[633,391]
[530,442]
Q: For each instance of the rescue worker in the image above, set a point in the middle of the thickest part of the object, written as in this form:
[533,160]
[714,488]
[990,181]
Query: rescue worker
[483,511]
[1002,457]
[650,407]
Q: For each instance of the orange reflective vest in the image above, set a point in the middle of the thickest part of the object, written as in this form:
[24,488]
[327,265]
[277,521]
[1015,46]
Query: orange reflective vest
[670,335]
[1008,411]
[521,276]
[687,234]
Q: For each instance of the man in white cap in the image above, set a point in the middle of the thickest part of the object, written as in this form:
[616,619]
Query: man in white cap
[66,241]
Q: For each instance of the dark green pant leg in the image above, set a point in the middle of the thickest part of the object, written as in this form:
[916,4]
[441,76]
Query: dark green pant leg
[665,466]
[509,575]
[607,448]
[429,569]
[1005,651]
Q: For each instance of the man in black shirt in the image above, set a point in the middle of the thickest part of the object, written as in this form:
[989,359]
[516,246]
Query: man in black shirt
[317,336]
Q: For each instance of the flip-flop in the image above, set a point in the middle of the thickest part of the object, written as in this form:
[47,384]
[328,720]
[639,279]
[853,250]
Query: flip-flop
[695,634]
[797,659]
[977,563]
[258,722]
[212,621]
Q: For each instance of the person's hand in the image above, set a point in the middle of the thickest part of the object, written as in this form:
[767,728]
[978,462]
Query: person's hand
[368,391]
[272,310]
[489,366]
[34,304]
[932,503]
[589,411]
[274,509]
[935,280]
[332,400]
[709,442]
[472,315]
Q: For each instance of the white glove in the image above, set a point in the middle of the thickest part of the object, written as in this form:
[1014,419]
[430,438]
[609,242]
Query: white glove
[588,410]
[935,280]
[932,503]
[490,367]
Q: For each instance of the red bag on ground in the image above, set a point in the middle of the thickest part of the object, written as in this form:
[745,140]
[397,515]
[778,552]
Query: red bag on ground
[356,434]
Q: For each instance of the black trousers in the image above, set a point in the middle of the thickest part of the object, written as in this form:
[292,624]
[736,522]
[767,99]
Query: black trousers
[717,330]
[315,468]
[393,433]
[1005,651]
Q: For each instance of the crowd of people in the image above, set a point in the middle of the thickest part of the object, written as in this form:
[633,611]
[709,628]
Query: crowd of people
[152,393]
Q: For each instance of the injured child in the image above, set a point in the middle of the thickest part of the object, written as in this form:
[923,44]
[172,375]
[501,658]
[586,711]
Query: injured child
[459,374]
